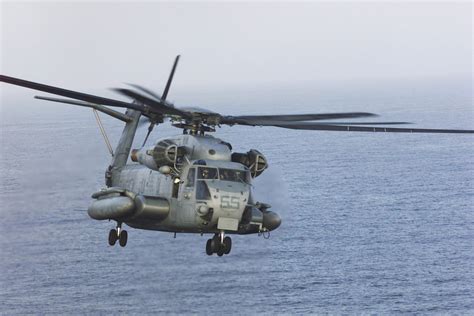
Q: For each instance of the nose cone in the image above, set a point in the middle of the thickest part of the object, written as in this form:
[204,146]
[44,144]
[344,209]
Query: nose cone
[271,220]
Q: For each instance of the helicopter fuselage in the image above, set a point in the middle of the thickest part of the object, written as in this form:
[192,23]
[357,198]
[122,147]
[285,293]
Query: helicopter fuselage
[195,204]
[189,184]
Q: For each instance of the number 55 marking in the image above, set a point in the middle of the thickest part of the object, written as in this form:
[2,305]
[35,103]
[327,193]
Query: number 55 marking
[230,202]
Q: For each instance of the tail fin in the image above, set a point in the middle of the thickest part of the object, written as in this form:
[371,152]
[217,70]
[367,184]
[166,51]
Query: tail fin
[122,151]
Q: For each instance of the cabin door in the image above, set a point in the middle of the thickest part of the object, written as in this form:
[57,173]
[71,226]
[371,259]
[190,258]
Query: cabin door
[187,198]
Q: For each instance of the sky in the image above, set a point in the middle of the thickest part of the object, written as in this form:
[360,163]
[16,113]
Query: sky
[92,46]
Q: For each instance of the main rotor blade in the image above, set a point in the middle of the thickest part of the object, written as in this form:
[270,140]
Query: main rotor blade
[363,123]
[292,117]
[146,90]
[346,128]
[170,79]
[123,117]
[69,93]
[150,129]
[157,105]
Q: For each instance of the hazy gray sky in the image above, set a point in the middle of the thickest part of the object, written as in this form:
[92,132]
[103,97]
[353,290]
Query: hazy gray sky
[93,45]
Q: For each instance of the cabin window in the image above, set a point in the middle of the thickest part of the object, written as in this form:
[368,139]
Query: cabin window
[202,191]
[207,173]
[190,178]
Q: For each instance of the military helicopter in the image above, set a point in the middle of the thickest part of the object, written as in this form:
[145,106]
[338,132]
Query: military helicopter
[193,182]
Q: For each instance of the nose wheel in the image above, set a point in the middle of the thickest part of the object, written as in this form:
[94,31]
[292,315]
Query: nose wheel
[118,234]
[219,245]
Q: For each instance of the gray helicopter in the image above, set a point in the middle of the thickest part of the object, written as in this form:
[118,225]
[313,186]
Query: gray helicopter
[193,182]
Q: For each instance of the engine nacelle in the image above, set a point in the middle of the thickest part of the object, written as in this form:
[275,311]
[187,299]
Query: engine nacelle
[143,157]
[253,159]
[164,153]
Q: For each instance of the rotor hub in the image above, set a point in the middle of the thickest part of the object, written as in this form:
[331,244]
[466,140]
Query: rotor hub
[195,128]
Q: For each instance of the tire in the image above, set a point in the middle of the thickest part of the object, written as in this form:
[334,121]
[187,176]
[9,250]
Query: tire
[214,245]
[227,245]
[209,247]
[220,251]
[112,237]
[123,238]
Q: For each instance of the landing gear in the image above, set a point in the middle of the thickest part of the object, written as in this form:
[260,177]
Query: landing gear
[113,237]
[118,234]
[219,245]
[220,251]
[209,249]
[227,245]
[123,238]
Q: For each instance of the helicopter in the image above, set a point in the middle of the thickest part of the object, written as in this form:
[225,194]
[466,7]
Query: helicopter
[193,182]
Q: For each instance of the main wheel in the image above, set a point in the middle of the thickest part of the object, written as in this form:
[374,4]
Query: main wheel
[209,247]
[214,245]
[112,237]
[227,245]
[221,250]
[123,238]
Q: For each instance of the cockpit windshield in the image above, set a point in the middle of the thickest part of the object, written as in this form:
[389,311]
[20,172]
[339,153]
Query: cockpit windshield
[207,173]
[234,175]
[210,173]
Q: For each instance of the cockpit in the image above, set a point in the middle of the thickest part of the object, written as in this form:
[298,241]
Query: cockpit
[200,174]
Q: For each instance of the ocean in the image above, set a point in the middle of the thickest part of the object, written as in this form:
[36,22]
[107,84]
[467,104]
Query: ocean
[372,223]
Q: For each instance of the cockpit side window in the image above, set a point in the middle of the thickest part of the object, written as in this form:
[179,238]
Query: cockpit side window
[202,191]
[207,173]
[191,177]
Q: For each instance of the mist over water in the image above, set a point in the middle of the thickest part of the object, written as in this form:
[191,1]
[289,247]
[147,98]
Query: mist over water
[372,223]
